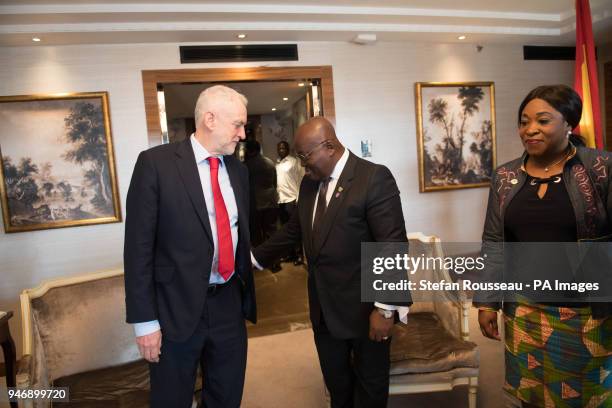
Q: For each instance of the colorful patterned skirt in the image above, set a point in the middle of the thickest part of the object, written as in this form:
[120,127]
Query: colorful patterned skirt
[558,356]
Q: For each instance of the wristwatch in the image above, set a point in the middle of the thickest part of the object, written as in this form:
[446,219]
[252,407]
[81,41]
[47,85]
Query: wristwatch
[387,314]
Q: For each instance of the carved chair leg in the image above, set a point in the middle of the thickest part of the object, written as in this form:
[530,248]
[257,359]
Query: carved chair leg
[473,389]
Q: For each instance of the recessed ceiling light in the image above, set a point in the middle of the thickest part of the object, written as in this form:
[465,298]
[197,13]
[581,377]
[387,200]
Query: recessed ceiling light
[36,39]
[242,36]
[273,109]
[301,84]
[285,99]
[461,37]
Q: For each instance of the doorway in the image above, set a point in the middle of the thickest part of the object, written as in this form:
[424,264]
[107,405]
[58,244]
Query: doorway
[154,81]
[275,110]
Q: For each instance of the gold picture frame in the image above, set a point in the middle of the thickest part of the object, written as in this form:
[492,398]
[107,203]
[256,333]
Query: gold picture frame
[455,134]
[57,164]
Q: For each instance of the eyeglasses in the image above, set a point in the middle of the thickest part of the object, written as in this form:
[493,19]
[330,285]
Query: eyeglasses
[304,157]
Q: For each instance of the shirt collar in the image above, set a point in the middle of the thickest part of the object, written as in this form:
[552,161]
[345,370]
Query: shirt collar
[340,165]
[286,158]
[200,152]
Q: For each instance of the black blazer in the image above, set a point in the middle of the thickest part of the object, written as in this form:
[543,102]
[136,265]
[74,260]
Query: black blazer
[168,249]
[364,207]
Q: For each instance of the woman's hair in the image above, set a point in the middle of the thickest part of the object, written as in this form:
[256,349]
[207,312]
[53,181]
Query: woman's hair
[564,99]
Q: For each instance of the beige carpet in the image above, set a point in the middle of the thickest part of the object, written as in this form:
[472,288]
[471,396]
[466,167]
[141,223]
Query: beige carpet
[3,391]
[283,371]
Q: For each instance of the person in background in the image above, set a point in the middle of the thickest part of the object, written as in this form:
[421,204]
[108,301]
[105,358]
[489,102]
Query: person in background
[188,276]
[264,196]
[557,191]
[289,174]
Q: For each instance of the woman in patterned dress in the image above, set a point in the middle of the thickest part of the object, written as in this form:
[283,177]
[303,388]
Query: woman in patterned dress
[557,354]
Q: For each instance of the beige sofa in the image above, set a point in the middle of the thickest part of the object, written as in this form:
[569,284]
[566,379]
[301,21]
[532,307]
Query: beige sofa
[75,335]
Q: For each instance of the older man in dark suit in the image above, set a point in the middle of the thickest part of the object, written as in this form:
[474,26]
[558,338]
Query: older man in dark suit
[343,201]
[188,279]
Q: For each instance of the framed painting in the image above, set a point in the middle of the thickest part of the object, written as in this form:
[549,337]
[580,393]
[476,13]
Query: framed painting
[57,161]
[455,134]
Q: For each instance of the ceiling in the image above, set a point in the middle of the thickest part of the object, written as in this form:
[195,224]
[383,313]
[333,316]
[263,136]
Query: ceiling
[262,95]
[533,22]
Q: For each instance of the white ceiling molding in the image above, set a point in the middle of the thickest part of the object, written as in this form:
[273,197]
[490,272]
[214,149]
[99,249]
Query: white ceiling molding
[548,22]
[28,9]
[271,26]
[595,18]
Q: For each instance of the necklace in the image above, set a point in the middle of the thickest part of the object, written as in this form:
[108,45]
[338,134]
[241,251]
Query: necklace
[565,156]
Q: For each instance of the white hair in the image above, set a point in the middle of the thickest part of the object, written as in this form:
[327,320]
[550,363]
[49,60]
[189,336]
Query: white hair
[212,97]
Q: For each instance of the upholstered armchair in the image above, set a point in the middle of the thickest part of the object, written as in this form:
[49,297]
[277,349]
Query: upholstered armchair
[75,335]
[433,352]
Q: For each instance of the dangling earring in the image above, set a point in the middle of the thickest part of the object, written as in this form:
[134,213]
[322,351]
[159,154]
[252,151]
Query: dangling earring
[569,133]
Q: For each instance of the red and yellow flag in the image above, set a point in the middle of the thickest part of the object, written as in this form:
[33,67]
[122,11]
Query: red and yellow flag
[585,77]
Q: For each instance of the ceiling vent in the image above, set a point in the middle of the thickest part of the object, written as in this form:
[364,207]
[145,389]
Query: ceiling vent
[536,52]
[238,53]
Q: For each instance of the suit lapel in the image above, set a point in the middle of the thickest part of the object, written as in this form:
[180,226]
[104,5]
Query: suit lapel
[188,170]
[335,202]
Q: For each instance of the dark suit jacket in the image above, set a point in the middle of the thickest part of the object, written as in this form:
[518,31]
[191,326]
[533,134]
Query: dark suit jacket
[262,179]
[168,249]
[365,207]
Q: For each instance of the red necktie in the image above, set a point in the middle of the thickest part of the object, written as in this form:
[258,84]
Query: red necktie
[224,234]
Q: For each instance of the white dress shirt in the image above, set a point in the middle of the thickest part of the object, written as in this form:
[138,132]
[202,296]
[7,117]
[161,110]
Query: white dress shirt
[289,173]
[333,180]
[201,156]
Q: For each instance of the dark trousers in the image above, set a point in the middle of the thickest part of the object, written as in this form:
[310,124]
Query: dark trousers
[284,213]
[356,371]
[219,345]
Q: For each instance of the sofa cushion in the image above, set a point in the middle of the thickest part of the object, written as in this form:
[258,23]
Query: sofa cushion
[124,386]
[424,346]
[121,386]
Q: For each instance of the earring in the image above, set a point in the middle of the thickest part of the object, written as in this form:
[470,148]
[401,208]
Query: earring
[569,133]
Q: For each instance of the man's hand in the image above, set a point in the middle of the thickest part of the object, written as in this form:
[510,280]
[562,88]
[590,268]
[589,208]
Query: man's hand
[488,324]
[150,346]
[380,328]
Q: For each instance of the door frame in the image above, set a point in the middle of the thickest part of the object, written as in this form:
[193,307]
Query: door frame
[152,79]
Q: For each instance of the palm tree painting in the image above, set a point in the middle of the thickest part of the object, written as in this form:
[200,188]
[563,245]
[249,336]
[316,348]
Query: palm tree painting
[456,135]
[57,162]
